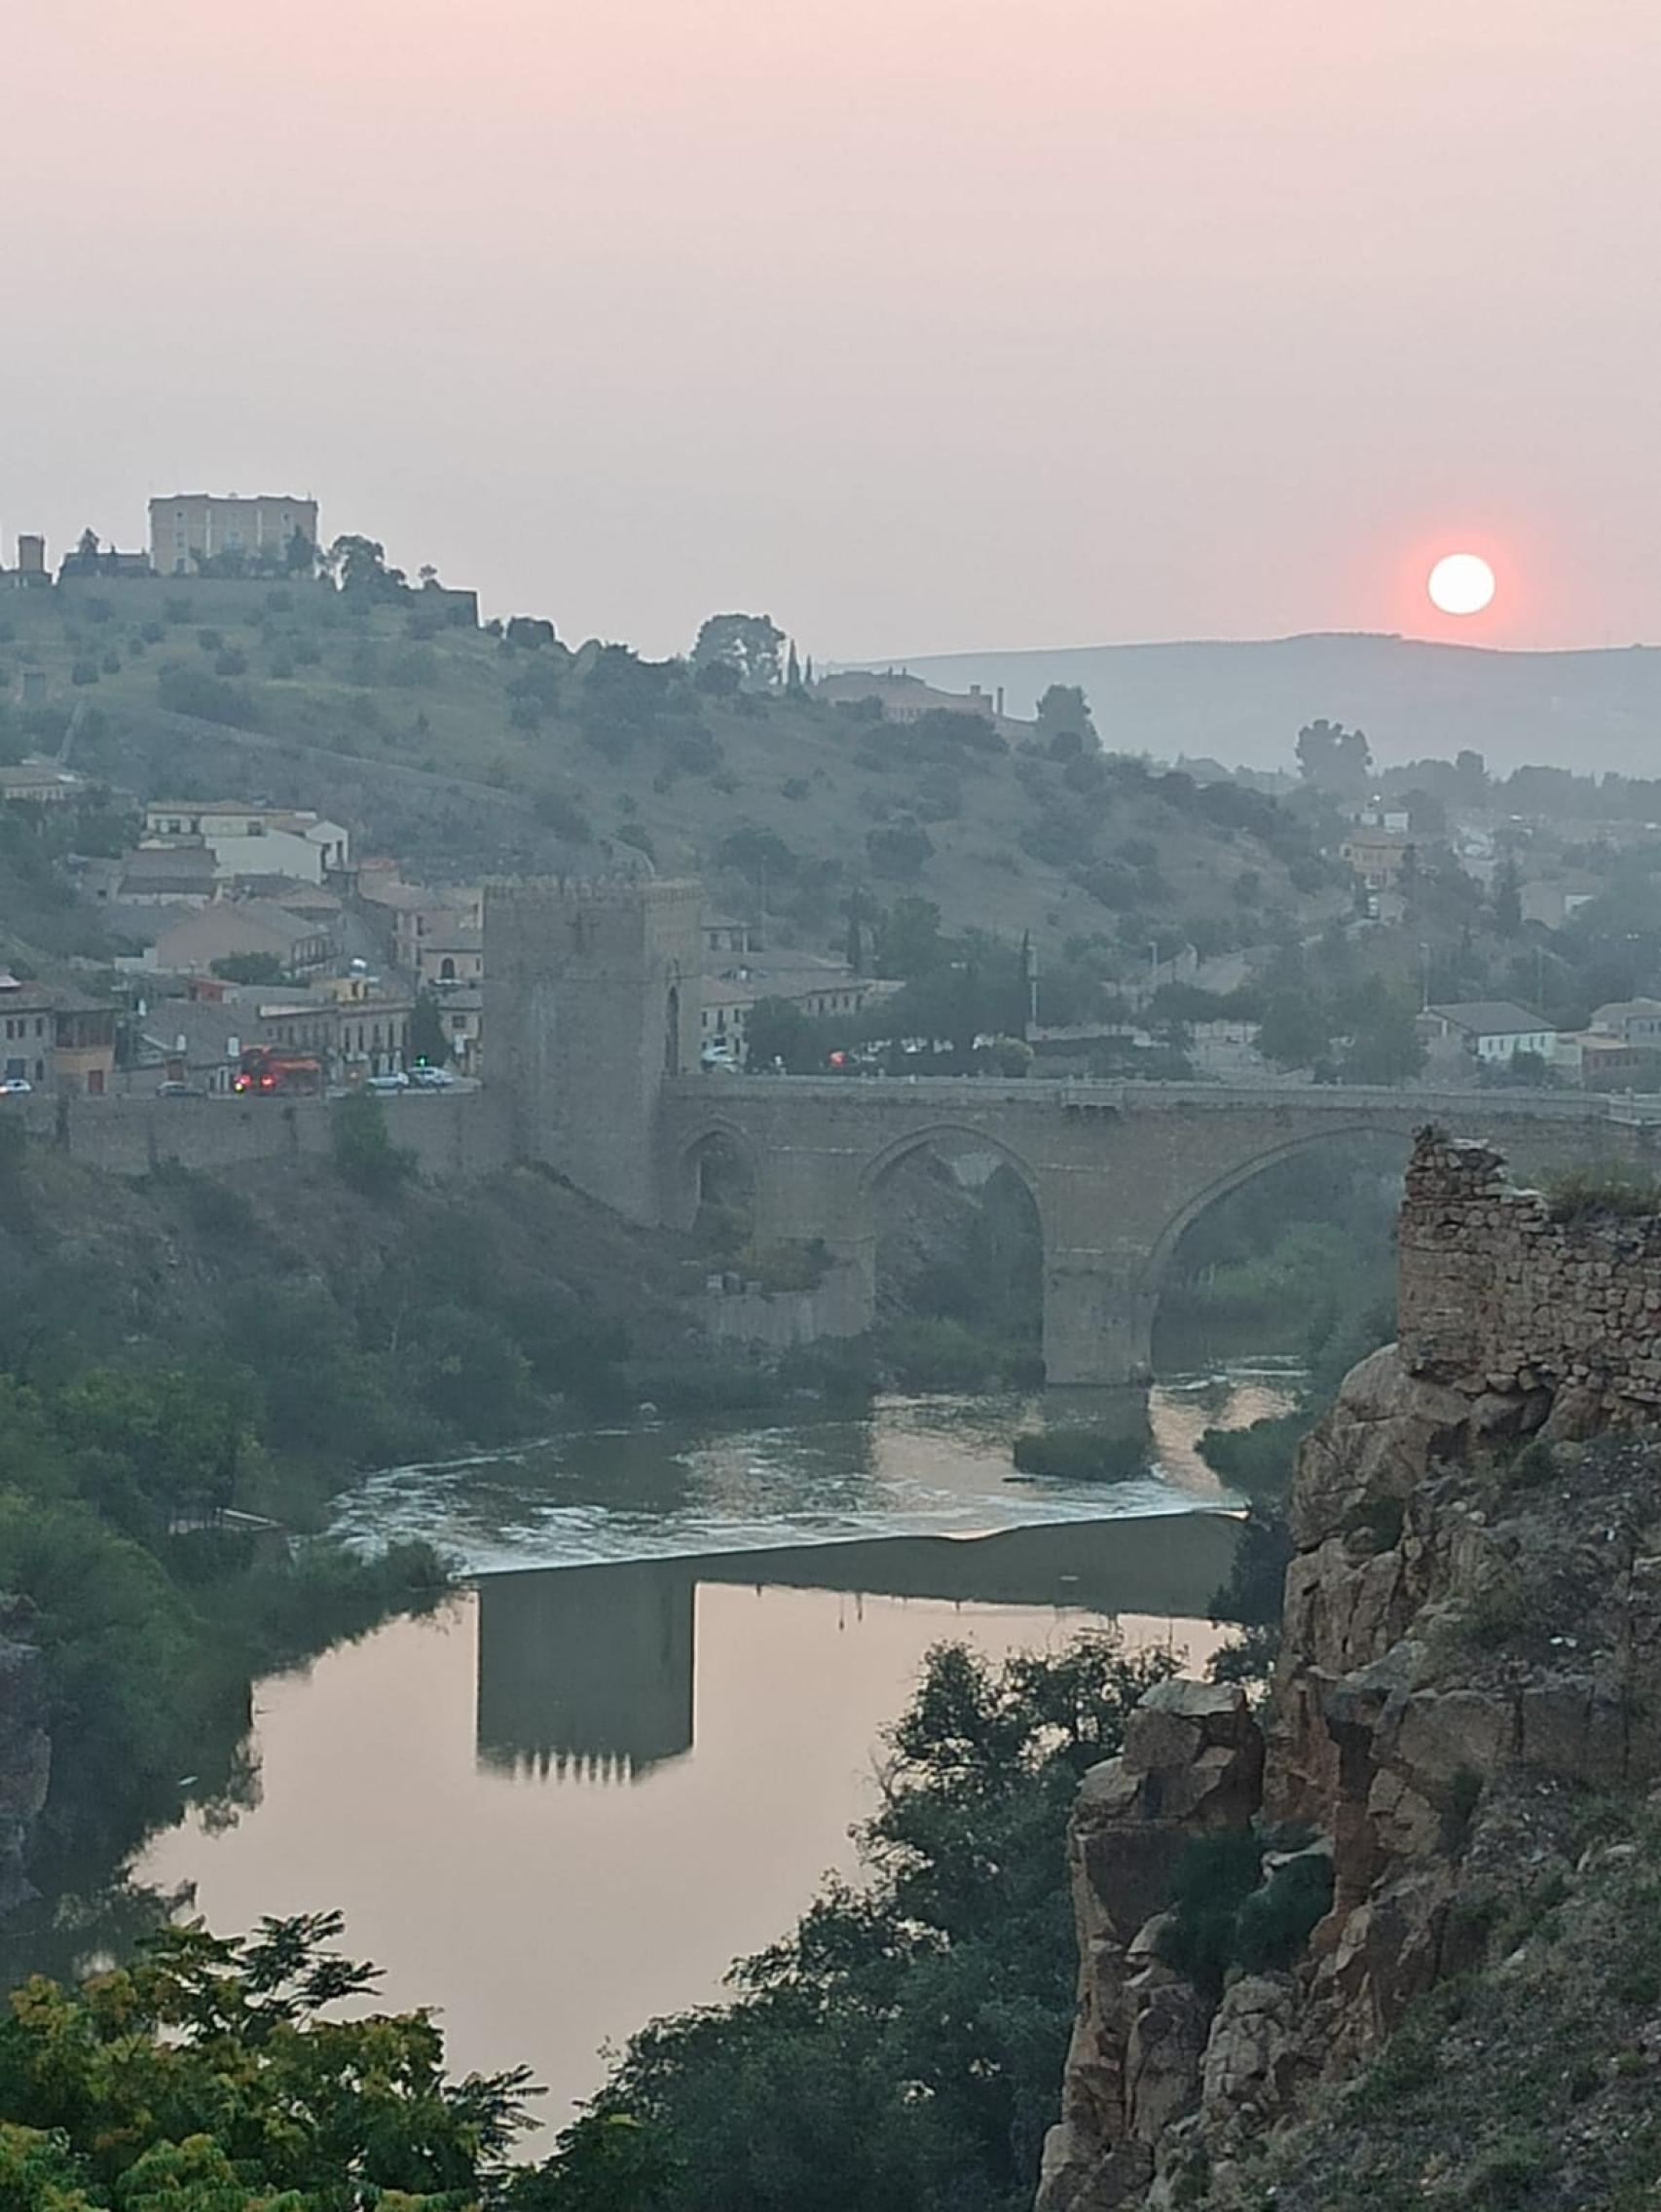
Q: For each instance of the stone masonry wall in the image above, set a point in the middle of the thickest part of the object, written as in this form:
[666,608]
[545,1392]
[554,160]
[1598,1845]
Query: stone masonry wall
[1494,1295]
[453,1135]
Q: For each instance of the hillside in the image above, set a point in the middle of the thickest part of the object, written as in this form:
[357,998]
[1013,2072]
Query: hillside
[466,751]
[1244,702]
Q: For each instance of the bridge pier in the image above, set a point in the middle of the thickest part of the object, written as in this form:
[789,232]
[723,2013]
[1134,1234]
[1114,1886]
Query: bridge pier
[1098,1320]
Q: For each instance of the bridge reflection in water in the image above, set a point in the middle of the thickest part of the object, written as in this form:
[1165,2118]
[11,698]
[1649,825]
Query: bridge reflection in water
[588,1673]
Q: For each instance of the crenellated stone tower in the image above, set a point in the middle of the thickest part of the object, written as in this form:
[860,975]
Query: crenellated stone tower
[591,1004]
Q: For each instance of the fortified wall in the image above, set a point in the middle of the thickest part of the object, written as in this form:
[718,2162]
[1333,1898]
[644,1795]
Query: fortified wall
[1497,1295]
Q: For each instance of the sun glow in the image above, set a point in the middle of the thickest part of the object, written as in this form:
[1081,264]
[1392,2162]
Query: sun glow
[1460,583]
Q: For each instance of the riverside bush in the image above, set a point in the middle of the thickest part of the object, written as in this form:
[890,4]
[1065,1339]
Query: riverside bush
[1080,1454]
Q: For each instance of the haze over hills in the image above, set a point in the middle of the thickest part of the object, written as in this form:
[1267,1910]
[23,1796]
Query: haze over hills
[1243,702]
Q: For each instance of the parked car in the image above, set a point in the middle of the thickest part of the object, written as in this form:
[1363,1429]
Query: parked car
[719,1057]
[395,1081]
[431,1078]
[15,1086]
[179,1091]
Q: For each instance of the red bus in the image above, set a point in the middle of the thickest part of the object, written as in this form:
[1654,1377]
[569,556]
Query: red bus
[265,1072]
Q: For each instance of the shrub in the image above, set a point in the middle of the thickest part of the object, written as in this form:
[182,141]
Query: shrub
[1535,1465]
[1214,1876]
[364,1153]
[1581,1194]
[1079,1454]
[1275,1923]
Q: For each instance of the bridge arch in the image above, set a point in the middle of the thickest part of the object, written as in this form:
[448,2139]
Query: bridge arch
[699,1150]
[951,1226]
[936,1134]
[1244,1171]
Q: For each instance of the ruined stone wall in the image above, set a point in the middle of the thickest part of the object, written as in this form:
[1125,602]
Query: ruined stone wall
[1494,1295]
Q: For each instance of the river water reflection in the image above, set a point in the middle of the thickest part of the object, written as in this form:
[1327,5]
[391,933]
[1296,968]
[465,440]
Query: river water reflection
[569,1801]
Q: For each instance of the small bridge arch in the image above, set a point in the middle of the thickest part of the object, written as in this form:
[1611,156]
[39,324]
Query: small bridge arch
[694,1153]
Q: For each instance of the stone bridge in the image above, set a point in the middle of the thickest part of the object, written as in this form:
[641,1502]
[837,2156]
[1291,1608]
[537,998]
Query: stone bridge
[1116,1171]
[592,999]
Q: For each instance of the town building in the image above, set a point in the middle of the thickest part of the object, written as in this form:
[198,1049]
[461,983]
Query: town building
[1635,1022]
[816,986]
[462,1011]
[191,526]
[57,1040]
[901,697]
[355,1024]
[1376,857]
[254,840]
[1599,1061]
[450,954]
[1489,1031]
[166,875]
[235,929]
[40,783]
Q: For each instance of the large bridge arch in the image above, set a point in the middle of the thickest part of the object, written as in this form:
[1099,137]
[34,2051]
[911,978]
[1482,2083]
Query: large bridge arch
[989,1267]
[1158,1266]
[1243,1171]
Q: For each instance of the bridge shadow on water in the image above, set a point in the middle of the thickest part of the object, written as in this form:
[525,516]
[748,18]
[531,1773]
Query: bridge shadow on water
[588,1673]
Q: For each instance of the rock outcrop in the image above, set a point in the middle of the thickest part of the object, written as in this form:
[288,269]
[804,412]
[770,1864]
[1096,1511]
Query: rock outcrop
[1473,1613]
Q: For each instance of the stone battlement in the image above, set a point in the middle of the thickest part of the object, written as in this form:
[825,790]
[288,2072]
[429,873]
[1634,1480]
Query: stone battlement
[1496,1295]
[622,891]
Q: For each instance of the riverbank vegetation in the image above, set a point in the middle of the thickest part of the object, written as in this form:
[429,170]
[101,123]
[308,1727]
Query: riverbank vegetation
[190,1368]
[205,2074]
[899,2049]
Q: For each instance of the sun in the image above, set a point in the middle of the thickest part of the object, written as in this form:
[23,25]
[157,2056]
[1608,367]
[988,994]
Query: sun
[1460,583]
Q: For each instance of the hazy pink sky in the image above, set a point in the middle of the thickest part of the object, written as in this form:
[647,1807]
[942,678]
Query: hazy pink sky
[919,324]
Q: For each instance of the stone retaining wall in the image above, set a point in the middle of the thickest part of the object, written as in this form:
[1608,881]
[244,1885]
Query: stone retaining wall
[1497,1295]
[454,1135]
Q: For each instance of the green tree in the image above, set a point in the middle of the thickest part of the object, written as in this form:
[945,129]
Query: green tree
[748,643]
[1334,759]
[779,1030]
[249,968]
[898,2051]
[206,2075]
[359,566]
[429,1045]
[1384,1044]
[1064,712]
[1295,1031]
[1508,897]
[909,939]
[364,1153]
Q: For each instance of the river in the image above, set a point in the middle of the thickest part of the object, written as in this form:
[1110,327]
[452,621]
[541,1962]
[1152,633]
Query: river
[630,1747]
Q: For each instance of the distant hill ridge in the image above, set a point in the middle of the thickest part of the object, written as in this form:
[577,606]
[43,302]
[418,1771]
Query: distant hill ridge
[1243,701]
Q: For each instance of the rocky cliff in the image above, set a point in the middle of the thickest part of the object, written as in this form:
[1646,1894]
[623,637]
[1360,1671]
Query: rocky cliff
[1463,1716]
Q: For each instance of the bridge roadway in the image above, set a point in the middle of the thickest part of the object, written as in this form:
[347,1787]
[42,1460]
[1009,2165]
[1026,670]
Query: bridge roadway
[1116,1170]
